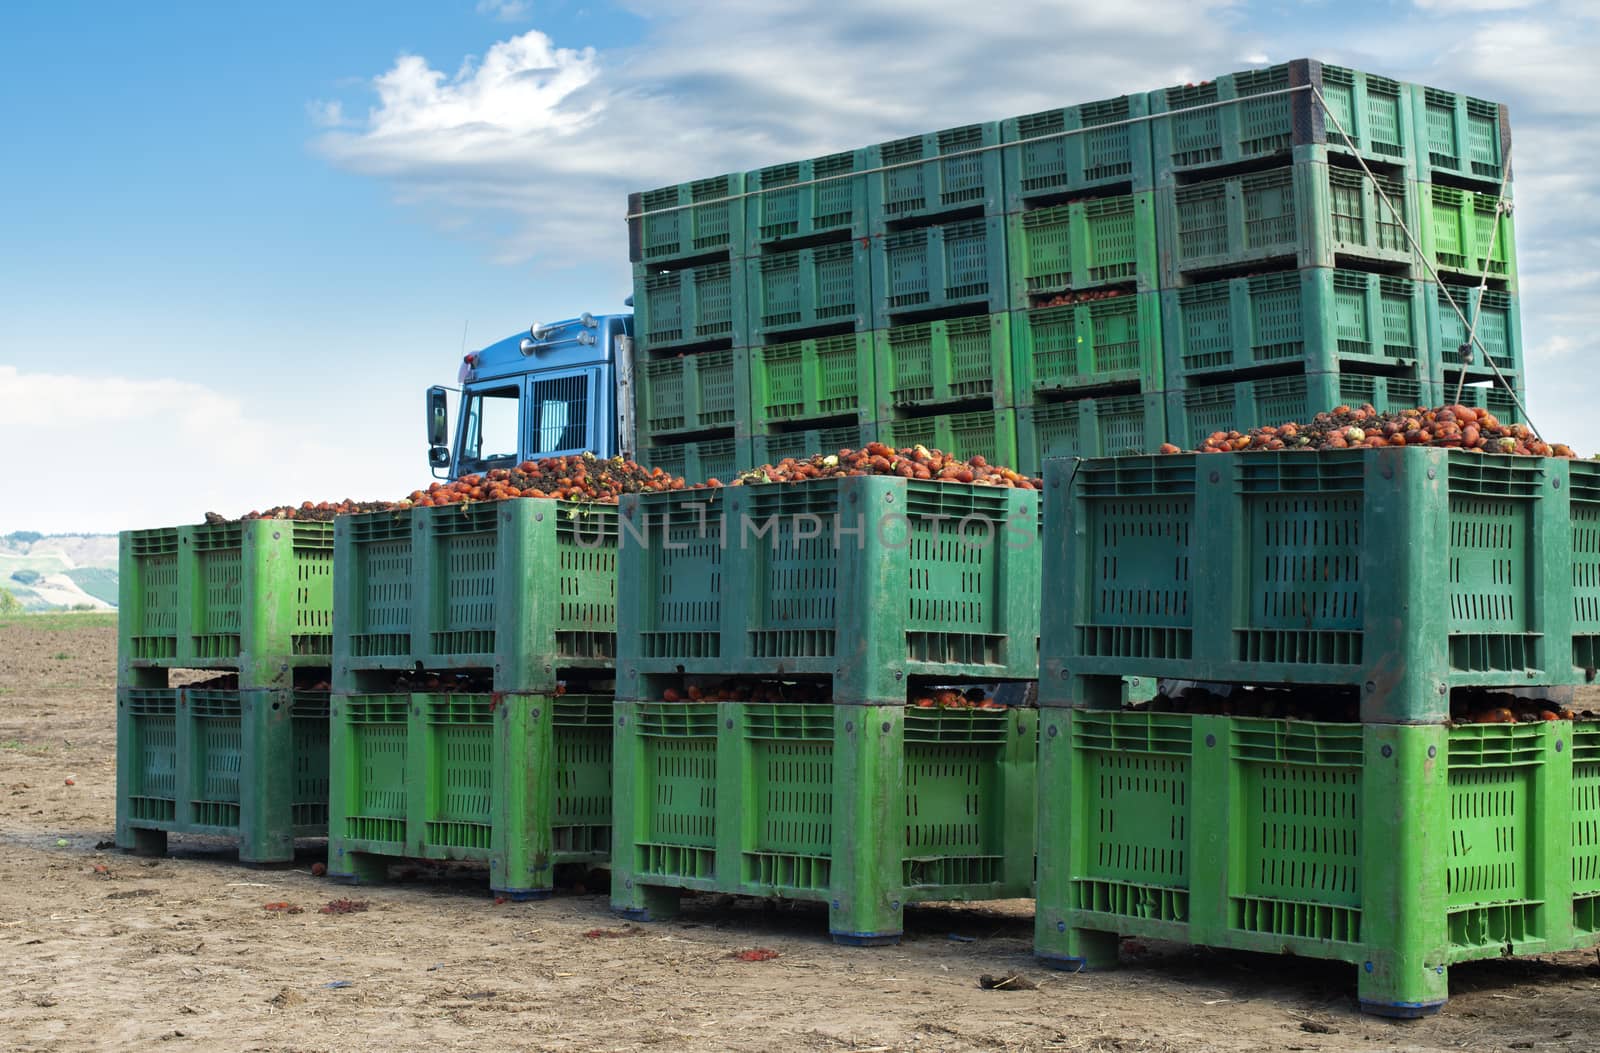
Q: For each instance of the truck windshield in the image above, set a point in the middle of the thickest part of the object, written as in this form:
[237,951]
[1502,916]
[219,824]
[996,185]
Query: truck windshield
[492,424]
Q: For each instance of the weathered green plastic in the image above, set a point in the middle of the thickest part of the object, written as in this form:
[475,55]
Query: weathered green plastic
[774,447]
[1097,344]
[990,434]
[1491,395]
[525,589]
[865,808]
[1402,573]
[866,580]
[933,174]
[1082,245]
[254,597]
[1401,850]
[1107,426]
[804,290]
[1457,227]
[939,270]
[692,393]
[1311,213]
[807,199]
[1498,329]
[697,460]
[823,378]
[1460,136]
[1374,111]
[1321,319]
[689,220]
[1098,151]
[1196,412]
[248,765]
[927,364]
[694,307]
[521,782]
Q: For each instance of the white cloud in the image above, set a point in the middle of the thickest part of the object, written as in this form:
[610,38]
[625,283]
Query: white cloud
[325,114]
[504,10]
[1452,7]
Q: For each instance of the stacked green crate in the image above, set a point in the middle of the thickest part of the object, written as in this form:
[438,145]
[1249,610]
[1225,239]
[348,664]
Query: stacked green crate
[847,792]
[475,647]
[252,603]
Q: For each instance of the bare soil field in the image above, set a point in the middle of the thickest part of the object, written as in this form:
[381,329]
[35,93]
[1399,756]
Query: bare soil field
[102,950]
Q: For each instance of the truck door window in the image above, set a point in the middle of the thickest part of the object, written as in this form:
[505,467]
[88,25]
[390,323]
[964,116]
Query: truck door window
[560,414]
[490,438]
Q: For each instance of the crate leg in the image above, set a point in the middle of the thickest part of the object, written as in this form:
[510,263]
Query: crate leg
[645,902]
[266,825]
[143,842]
[357,868]
[866,900]
[1383,993]
[1083,950]
[524,786]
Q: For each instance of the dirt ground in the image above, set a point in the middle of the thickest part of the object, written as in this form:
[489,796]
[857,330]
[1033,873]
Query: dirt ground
[102,950]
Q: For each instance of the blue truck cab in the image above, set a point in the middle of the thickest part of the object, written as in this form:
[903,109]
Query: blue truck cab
[557,389]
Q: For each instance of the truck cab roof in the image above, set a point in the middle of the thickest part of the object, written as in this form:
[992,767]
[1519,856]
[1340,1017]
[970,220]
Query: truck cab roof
[582,341]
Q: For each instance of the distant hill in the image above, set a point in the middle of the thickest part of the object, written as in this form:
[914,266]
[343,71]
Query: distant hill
[47,571]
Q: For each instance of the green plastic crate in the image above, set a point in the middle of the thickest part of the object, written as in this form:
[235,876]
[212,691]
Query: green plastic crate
[1096,344]
[930,270]
[1402,573]
[1095,427]
[1460,136]
[697,306]
[1457,228]
[775,446]
[927,175]
[937,363]
[248,765]
[829,376]
[705,217]
[1082,245]
[698,461]
[1374,111]
[523,589]
[1196,412]
[989,434]
[1320,319]
[521,782]
[1076,148]
[807,199]
[690,393]
[1491,395]
[807,289]
[1498,329]
[255,597]
[1314,214]
[865,808]
[867,580]
[1400,850]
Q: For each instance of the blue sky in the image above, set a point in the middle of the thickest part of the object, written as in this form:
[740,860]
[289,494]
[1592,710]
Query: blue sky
[239,241]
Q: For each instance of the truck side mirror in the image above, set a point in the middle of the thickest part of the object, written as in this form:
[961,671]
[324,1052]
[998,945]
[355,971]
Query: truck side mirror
[438,422]
[438,456]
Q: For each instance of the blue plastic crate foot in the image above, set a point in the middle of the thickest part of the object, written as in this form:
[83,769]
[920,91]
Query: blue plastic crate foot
[866,939]
[634,913]
[522,895]
[1065,963]
[1402,1010]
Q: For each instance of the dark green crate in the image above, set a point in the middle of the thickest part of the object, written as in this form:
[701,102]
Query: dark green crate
[1082,245]
[1460,136]
[1401,573]
[1198,411]
[1314,214]
[828,376]
[689,393]
[1319,319]
[1106,426]
[705,217]
[776,445]
[957,169]
[1192,133]
[937,363]
[929,270]
[1489,394]
[1400,850]
[1457,229]
[521,782]
[1496,318]
[1076,148]
[865,808]
[700,460]
[808,289]
[519,588]
[904,578]
[1094,344]
[697,306]
[807,199]
[254,597]
[248,765]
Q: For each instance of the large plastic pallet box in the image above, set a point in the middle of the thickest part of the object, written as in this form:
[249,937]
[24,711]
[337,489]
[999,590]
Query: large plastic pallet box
[812,199]
[1400,573]
[956,268]
[1082,245]
[691,393]
[1098,343]
[1072,149]
[804,291]
[686,221]
[928,364]
[867,808]
[519,781]
[248,765]
[1496,321]
[921,176]
[1399,849]
[1460,136]
[1104,426]
[1324,320]
[868,581]
[1200,126]
[1460,236]
[522,589]
[811,379]
[990,434]
[699,460]
[776,445]
[1195,412]
[692,307]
